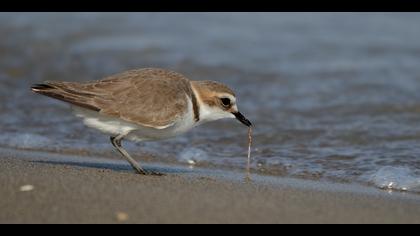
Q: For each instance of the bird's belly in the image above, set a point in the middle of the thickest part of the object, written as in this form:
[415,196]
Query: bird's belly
[133,132]
[150,134]
[146,133]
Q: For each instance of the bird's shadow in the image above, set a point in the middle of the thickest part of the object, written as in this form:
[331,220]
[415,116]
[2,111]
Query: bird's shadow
[116,166]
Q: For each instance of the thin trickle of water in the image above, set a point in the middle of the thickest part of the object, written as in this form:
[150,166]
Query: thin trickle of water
[248,166]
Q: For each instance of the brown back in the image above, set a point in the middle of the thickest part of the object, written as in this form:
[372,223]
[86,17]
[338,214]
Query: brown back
[150,97]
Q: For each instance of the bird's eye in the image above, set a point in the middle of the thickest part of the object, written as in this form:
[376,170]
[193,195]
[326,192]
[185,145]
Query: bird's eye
[225,101]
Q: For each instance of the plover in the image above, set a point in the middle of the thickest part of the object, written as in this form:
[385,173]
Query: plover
[145,105]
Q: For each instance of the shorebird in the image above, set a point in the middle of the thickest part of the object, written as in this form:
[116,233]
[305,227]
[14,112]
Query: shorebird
[145,105]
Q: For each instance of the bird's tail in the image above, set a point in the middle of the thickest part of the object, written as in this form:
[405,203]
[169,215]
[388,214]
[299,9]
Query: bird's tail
[66,92]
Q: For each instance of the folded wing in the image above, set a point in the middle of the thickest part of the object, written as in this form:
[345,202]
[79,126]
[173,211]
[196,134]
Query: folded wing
[149,97]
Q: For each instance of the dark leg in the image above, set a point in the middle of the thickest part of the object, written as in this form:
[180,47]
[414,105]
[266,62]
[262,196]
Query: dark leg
[116,142]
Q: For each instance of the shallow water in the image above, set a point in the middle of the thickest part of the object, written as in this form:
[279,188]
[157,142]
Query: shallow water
[332,95]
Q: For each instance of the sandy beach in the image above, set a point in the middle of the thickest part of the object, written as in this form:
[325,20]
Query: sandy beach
[91,192]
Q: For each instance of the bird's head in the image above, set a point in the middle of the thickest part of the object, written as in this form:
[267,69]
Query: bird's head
[217,101]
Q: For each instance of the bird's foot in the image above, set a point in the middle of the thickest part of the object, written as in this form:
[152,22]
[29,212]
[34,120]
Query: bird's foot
[154,173]
[150,173]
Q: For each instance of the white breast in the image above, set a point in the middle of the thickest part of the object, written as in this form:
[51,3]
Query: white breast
[114,126]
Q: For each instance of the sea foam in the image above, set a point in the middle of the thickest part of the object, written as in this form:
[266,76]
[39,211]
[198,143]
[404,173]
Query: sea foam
[192,156]
[396,178]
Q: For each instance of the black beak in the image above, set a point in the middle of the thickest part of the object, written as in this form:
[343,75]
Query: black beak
[242,119]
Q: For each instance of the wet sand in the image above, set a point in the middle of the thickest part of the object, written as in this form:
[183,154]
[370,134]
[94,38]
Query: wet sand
[67,192]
